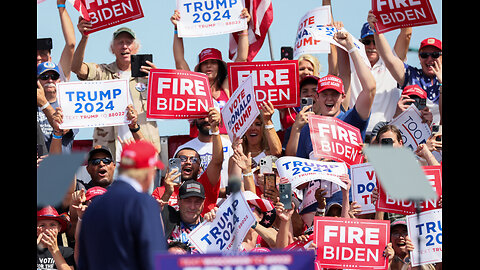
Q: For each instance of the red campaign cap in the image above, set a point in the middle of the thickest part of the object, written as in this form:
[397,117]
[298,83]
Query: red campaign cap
[330,82]
[48,212]
[431,42]
[414,90]
[94,191]
[140,154]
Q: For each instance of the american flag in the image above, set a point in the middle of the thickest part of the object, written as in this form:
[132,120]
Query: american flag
[261,12]
[80,6]
[263,204]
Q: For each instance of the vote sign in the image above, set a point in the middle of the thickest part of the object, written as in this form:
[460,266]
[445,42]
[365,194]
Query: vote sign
[400,14]
[87,104]
[364,180]
[305,42]
[386,203]
[346,243]
[178,94]
[105,14]
[334,139]
[274,81]
[241,110]
[207,18]
[429,230]
[226,232]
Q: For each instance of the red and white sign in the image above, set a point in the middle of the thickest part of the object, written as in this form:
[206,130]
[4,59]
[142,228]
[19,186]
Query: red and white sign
[274,81]
[346,243]
[106,14]
[400,14]
[334,139]
[386,203]
[178,94]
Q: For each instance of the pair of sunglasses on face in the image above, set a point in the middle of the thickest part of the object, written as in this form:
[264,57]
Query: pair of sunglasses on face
[53,76]
[97,161]
[434,55]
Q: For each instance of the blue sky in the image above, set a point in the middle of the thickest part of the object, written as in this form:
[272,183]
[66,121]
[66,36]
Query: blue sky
[155,32]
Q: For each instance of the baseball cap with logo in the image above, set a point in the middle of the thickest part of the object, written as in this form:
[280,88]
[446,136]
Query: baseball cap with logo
[191,188]
[431,42]
[47,66]
[366,30]
[123,29]
[93,192]
[330,82]
[414,90]
[139,155]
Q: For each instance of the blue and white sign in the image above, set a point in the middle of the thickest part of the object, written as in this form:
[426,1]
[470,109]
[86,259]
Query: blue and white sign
[226,232]
[364,180]
[87,104]
[301,170]
[429,230]
[199,18]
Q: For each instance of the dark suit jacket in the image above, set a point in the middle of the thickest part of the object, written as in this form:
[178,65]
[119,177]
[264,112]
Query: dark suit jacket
[122,229]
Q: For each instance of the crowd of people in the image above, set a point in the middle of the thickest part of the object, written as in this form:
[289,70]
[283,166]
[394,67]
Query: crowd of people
[111,220]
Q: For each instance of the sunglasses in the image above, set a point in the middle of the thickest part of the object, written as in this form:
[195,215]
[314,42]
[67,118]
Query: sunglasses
[184,158]
[367,41]
[434,55]
[96,161]
[53,76]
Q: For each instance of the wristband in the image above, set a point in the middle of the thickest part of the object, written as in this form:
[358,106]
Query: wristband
[214,133]
[269,126]
[55,136]
[175,31]
[247,174]
[254,225]
[352,49]
[133,130]
[61,5]
[320,210]
[44,106]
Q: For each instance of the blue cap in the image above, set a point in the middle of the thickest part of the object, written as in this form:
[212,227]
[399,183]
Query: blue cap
[46,66]
[366,31]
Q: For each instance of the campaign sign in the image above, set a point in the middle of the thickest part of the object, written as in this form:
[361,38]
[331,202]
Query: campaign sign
[226,232]
[106,14]
[386,203]
[178,94]
[274,81]
[305,43]
[207,18]
[300,170]
[364,180]
[413,131]
[400,14]
[429,230]
[334,139]
[241,109]
[325,33]
[274,260]
[346,243]
[87,104]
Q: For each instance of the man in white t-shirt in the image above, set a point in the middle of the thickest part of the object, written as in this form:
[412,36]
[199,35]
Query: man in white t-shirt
[203,145]
[387,94]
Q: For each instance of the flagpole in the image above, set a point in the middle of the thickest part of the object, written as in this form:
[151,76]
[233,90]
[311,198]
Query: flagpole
[270,45]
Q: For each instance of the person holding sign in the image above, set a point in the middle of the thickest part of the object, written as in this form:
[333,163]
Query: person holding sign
[190,170]
[428,77]
[48,76]
[211,63]
[331,94]
[123,45]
